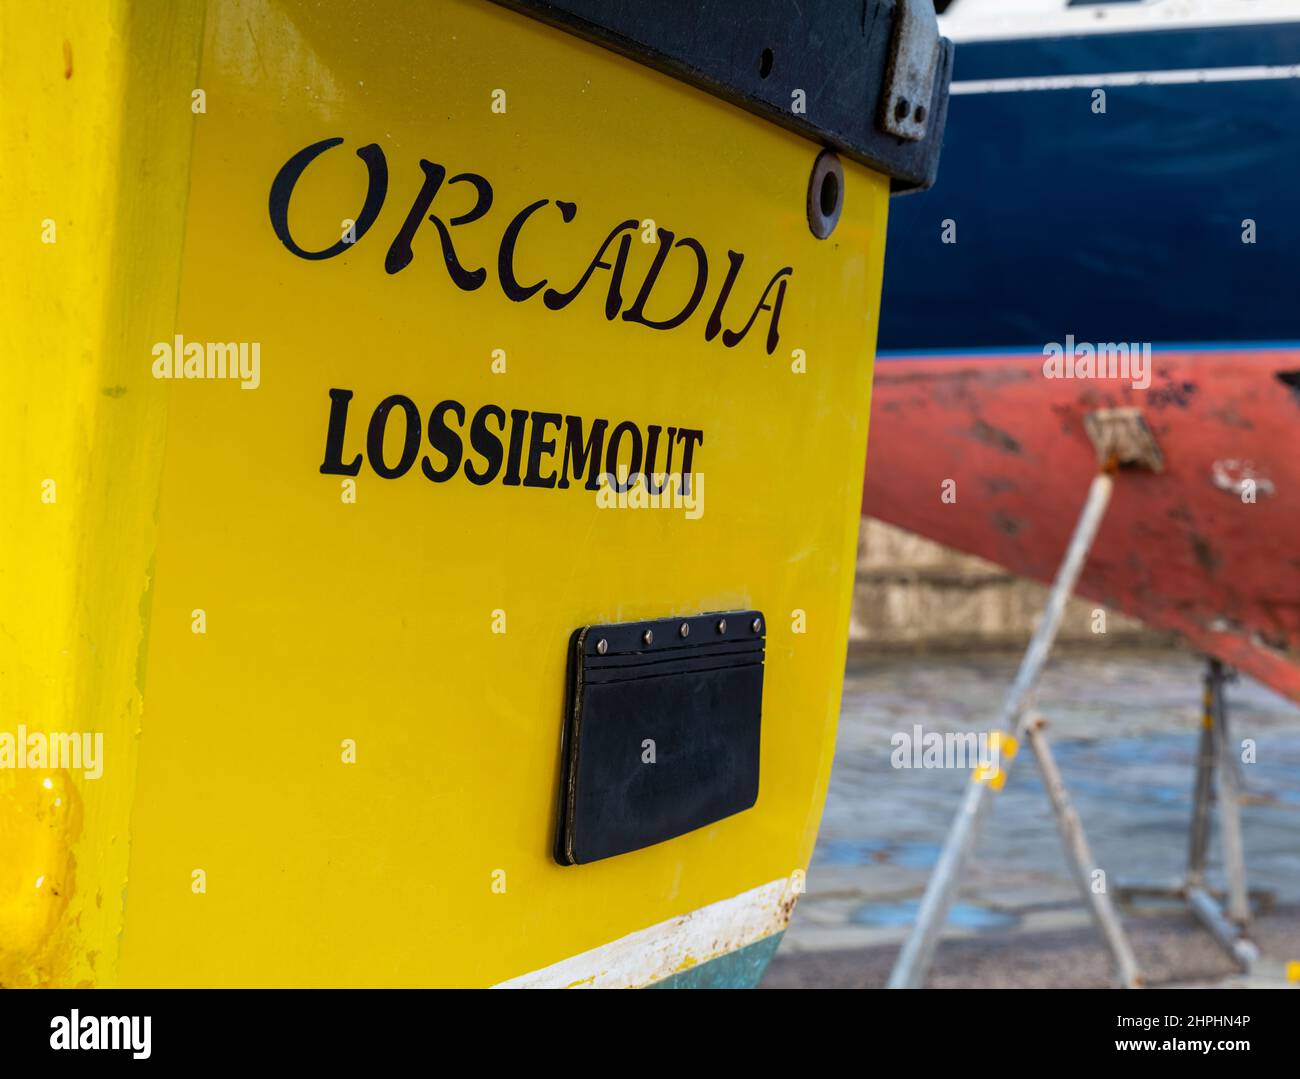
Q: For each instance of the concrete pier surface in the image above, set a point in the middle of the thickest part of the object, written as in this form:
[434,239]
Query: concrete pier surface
[1123,726]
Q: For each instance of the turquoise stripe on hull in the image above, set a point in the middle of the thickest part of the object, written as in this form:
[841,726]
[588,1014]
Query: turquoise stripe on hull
[741,969]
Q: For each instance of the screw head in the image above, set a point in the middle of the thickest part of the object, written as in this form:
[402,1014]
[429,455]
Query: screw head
[757,625]
[648,636]
[684,629]
[602,646]
[722,625]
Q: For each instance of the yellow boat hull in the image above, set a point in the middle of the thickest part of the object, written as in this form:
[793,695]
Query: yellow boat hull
[331,702]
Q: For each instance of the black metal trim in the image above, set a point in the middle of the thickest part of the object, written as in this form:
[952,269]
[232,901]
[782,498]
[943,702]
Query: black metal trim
[836,51]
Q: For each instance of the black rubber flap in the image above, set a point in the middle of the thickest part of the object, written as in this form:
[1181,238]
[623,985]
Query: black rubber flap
[662,730]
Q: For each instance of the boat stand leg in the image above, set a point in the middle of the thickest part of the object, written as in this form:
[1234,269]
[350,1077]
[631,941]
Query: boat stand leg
[918,950]
[1201,791]
[1216,778]
[1079,855]
[1234,856]
[1228,935]
[1217,783]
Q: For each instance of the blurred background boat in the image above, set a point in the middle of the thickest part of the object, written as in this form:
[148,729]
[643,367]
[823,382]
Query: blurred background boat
[1115,171]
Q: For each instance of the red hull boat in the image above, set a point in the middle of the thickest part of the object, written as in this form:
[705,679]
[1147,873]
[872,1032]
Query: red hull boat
[1183,549]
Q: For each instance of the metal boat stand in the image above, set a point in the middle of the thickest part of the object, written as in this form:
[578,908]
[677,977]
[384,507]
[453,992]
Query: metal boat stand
[1217,781]
[1016,723]
[1120,436]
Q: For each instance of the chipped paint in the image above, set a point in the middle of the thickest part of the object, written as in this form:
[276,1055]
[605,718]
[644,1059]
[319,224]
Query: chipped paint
[661,951]
[1236,477]
[40,823]
[993,436]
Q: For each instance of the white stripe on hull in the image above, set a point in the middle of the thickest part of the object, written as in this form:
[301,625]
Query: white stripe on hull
[1013,20]
[651,955]
[1020,84]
